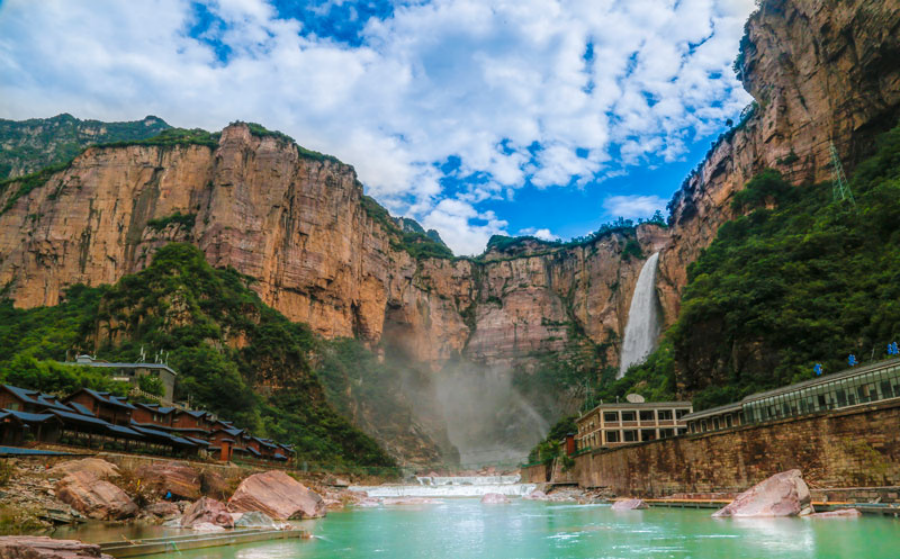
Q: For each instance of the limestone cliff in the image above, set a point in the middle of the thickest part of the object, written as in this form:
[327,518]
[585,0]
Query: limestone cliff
[296,224]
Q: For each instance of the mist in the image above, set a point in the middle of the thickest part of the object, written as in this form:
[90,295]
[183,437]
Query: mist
[484,416]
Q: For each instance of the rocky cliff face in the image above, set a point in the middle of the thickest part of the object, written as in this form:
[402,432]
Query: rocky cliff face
[820,73]
[297,226]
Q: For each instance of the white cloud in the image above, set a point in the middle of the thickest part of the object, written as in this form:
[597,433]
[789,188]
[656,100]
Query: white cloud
[543,233]
[634,206]
[483,82]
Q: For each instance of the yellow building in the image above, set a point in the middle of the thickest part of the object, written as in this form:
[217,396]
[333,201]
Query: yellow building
[610,425]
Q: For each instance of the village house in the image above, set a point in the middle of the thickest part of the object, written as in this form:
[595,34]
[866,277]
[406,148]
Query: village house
[614,424]
[107,407]
[153,414]
[130,372]
[191,419]
[99,419]
[17,427]
[27,400]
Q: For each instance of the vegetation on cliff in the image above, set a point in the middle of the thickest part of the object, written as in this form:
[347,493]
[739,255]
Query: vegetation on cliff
[33,144]
[404,237]
[236,356]
[171,137]
[625,226]
[799,279]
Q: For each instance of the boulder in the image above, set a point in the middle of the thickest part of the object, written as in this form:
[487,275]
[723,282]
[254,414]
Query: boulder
[212,484]
[205,527]
[848,513]
[44,547]
[166,510]
[369,502]
[277,495]
[172,478]
[103,470]
[537,495]
[629,504]
[207,510]
[493,498]
[96,498]
[259,520]
[410,501]
[780,495]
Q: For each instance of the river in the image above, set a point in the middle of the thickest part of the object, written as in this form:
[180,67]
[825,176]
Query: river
[464,528]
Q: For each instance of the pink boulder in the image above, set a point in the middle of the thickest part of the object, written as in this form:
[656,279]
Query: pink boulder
[277,495]
[101,469]
[782,494]
[172,477]
[94,497]
[207,510]
[629,505]
[537,495]
[493,498]
[44,547]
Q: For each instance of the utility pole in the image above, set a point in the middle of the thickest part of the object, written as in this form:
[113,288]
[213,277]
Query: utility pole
[840,188]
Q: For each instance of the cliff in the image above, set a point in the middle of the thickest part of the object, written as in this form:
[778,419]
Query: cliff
[299,226]
[820,73]
[322,253]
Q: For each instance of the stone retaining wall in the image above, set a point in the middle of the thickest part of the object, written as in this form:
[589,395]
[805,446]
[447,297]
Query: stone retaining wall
[851,448]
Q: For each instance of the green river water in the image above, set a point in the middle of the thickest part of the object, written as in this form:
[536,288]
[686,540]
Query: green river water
[464,528]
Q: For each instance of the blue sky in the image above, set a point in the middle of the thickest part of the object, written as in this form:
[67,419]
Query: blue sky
[474,117]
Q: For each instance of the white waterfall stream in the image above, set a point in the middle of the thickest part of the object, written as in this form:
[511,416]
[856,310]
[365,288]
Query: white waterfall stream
[643,326]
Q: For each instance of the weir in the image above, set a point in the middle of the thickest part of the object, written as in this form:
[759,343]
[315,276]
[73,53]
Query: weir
[451,487]
[643,326]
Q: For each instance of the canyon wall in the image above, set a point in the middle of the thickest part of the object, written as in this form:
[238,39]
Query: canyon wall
[820,73]
[296,225]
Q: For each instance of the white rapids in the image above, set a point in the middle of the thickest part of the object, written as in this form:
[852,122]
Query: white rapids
[451,487]
[643,327]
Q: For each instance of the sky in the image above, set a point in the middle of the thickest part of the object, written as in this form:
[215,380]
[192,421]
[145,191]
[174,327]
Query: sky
[474,117]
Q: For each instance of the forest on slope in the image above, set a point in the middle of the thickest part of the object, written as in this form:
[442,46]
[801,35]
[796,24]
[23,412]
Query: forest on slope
[236,356]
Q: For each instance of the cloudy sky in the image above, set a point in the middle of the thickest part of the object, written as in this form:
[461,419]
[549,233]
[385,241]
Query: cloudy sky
[475,117]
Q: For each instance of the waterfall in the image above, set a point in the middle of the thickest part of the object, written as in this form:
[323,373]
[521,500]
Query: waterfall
[643,328]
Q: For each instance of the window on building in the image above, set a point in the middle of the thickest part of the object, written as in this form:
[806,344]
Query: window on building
[628,415]
[680,413]
[611,417]
[728,420]
[646,415]
[630,435]
[612,436]
[648,435]
[703,425]
[664,414]
[666,432]
[716,423]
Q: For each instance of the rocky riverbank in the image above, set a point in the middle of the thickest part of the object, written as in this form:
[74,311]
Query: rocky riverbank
[42,493]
